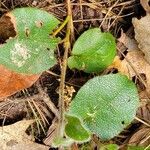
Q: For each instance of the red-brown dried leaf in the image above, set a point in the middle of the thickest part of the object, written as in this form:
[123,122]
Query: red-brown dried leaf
[11,82]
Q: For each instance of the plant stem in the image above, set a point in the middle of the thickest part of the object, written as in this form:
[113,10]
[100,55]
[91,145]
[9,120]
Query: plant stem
[69,33]
[62,26]
[61,122]
[62,86]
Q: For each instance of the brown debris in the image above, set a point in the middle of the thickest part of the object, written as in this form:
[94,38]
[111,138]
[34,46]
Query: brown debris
[142,34]
[15,81]
[6,28]
[141,137]
[13,137]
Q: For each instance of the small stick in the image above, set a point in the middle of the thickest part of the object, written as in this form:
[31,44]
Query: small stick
[140,120]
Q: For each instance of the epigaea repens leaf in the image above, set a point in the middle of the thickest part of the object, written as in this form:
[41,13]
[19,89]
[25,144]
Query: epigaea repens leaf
[31,51]
[93,51]
[105,105]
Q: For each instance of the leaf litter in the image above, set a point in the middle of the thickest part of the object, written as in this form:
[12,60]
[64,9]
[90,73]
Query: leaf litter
[134,64]
[13,137]
[12,82]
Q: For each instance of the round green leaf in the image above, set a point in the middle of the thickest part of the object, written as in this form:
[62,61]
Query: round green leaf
[31,51]
[93,51]
[105,105]
[75,130]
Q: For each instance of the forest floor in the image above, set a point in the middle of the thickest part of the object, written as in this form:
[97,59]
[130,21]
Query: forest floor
[113,16]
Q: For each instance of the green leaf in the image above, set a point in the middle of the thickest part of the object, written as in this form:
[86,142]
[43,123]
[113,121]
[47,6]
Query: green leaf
[105,105]
[65,142]
[75,130]
[31,51]
[110,147]
[137,148]
[94,51]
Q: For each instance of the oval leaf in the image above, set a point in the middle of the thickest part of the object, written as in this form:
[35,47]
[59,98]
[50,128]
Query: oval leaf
[93,51]
[31,51]
[106,104]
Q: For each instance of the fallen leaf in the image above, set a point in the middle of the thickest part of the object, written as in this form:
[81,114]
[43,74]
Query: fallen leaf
[131,44]
[11,82]
[141,137]
[134,63]
[145,4]
[6,28]
[52,131]
[144,110]
[142,31]
[13,137]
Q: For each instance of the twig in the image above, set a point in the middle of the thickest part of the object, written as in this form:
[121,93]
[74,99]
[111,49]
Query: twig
[109,10]
[115,18]
[140,120]
[101,19]
[52,73]
[147,147]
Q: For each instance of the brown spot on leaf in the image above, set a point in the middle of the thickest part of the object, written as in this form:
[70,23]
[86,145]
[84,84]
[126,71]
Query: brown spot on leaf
[27,32]
[39,24]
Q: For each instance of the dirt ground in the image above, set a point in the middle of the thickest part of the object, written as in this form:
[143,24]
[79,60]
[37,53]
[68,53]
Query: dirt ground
[114,16]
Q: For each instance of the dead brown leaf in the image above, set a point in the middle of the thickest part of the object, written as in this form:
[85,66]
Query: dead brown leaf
[11,82]
[145,4]
[13,137]
[144,110]
[6,28]
[136,67]
[142,31]
[134,63]
[141,137]
[51,132]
